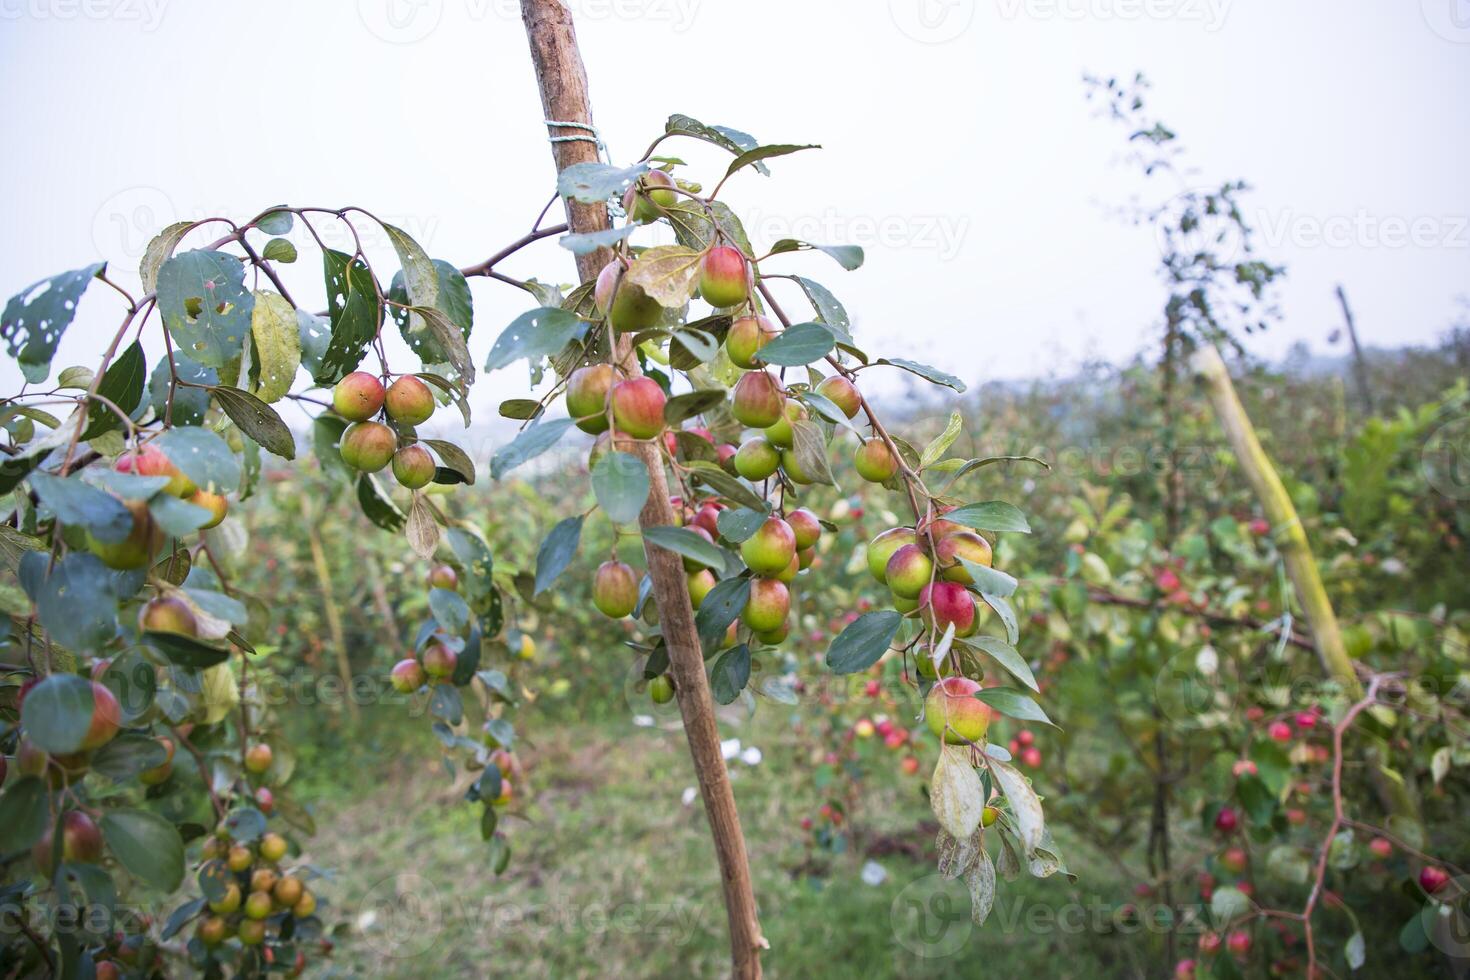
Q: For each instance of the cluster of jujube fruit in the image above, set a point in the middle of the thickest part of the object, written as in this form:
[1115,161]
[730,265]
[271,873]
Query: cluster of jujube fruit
[369,445]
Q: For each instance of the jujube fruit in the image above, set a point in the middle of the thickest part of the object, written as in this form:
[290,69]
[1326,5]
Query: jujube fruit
[358,397]
[409,401]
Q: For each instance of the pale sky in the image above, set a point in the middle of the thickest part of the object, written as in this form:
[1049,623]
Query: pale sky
[959,149]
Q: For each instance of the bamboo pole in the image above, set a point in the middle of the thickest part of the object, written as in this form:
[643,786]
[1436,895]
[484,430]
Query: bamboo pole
[562,79]
[329,604]
[1301,564]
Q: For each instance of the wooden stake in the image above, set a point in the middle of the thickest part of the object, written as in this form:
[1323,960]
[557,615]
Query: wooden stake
[562,79]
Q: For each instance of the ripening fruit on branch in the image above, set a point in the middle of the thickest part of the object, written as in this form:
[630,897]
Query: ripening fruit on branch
[106,717]
[615,589]
[272,847]
[1226,820]
[258,905]
[168,614]
[358,397]
[646,197]
[881,548]
[954,713]
[768,606]
[587,391]
[413,467]
[81,842]
[805,526]
[439,661]
[661,689]
[138,548]
[758,400]
[746,336]
[251,932]
[367,446]
[1233,860]
[407,676]
[263,879]
[874,461]
[631,309]
[700,584]
[211,931]
[1432,879]
[842,393]
[793,470]
[781,434]
[771,548]
[908,571]
[409,401]
[229,902]
[946,603]
[288,891]
[757,459]
[258,758]
[638,407]
[722,277]
[443,577]
[149,460]
[215,503]
[160,773]
[962,544]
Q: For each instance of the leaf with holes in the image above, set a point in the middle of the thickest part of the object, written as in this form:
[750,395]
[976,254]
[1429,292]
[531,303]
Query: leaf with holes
[693,227]
[620,482]
[667,273]
[257,420]
[534,334]
[722,136]
[205,306]
[593,183]
[35,319]
[277,337]
[355,313]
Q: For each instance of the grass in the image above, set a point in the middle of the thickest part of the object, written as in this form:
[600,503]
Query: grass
[613,874]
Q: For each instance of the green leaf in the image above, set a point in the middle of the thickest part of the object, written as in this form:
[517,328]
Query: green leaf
[76,599]
[277,335]
[81,504]
[448,336]
[377,505]
[189,404]
[147,845]
[694,229]
[531,442]
[185,651]
[690,404]
[989,580]
[24,813]
[811,451]
[722,136]
[449,610]
[176,517]
[58,713]
[123,386]
[275,222]
[420,278]
[1006,613]
[454,301]
[864,640]
[730,674]
[205,305]
[726,485]
[587,242]
[556,552]
[682,541]
[850,257]
[620,481]
[593,183]
[521,409]
[935,451]
[991,515]
[829,310]
[34,320]
[1007,657]
[737,524]
[802,344]
[926,372]
[355,314]
[127,755]
[975,464]
[667,273]
[246,824]
[454,458]
[203,456]
[720,608]
[257,420]
[765,153]
[1009,701]
[279,250]
[535,334]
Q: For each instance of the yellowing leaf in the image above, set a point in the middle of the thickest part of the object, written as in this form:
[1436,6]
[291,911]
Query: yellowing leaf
[218,693]
[666,273]
[955,792]
[277,345]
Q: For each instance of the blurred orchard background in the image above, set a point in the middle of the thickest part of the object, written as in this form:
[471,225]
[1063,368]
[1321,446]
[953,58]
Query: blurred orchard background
[1035,215]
